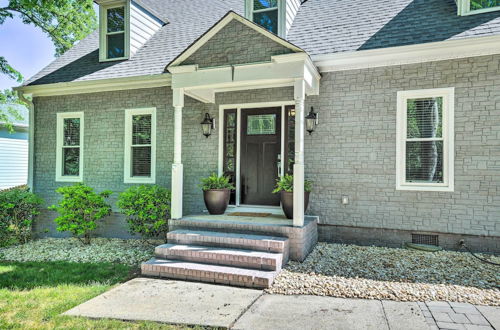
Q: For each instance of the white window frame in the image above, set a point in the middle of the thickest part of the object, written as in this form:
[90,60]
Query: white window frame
[448,95]
[60,145]
[127,174]
[103,30]
[281,14]
[463,8]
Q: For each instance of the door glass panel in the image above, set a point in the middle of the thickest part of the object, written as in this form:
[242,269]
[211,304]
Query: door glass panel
[261,124]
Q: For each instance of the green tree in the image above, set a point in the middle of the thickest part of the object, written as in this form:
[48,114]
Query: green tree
[64,21]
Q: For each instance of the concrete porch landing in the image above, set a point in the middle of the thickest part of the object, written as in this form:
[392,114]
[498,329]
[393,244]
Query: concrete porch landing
[233,250]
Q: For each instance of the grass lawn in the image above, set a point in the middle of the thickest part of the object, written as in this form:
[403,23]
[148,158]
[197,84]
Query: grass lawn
[34,294]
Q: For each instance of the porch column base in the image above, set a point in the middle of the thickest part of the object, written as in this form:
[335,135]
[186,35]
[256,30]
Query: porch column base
[298,195]
[177,185]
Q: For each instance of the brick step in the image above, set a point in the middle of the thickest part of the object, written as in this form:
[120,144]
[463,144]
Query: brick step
[221,256]
[184,270]
[230,240]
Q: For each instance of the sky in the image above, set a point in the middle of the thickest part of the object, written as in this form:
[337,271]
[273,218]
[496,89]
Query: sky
[26,48]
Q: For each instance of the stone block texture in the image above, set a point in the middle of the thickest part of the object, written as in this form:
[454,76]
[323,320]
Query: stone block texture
[352,152]
[226,47]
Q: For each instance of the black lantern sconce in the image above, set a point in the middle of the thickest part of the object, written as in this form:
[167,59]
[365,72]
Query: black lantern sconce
[207,125]
[312,120]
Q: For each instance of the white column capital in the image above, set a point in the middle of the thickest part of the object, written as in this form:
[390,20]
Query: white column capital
[178,97]
[299,89]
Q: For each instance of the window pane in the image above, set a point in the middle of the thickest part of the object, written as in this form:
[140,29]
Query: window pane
[425,118]
[261,125]
[263,4]
[141,161]
[116,19]
[231,120]
[268,20]
[71,161]
[116,45]
[141,129]
[424,161]
[71,132]
[481,4]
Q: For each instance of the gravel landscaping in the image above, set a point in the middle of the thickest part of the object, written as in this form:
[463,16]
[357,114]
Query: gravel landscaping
[352,271]
[130,252]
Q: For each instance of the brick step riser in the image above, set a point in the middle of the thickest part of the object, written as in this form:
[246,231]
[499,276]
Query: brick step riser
[208,277]
[276,247]
[223,259]
[227,230]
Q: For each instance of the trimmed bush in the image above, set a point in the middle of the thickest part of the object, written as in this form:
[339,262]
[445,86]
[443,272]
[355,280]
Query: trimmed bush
[147,209]
[18,208]
[80,210]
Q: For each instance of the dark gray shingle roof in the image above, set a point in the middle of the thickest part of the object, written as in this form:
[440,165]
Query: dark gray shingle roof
[321,27]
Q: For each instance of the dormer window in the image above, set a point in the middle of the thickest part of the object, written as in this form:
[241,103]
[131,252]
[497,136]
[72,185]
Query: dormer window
[471,7]
[114,31]
[267,13]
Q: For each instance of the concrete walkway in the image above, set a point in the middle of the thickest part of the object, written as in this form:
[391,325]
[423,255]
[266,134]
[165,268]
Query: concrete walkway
[178,302]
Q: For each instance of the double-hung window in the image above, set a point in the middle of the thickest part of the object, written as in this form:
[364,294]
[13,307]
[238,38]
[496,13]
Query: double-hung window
[268,14]
[69,154]
[471,7]
[114,27]
[425,155]
[140,146]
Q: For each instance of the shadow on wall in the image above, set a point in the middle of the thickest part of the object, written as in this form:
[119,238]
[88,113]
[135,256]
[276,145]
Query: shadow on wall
[416,24]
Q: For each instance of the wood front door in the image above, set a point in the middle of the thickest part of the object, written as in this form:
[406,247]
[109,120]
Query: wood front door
[260,154]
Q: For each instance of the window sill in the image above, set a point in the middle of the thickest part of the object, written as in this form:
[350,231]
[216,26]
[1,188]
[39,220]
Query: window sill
[113,59]
[69,179]
[425,188]
[140,180]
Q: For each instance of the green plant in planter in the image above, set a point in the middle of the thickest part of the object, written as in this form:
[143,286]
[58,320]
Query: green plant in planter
[80,210]
[285,183]
[147,209]
[216,182]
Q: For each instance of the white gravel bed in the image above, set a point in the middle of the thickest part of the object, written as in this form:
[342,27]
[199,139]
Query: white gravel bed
[130,252]
[352,271]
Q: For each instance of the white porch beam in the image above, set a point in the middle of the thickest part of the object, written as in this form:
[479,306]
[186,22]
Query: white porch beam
[298,167]
[177,167]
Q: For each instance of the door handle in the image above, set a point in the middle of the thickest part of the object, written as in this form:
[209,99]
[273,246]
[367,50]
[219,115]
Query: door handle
[279,165]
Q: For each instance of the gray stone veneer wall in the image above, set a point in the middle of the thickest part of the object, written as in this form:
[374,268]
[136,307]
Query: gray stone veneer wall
[352,152]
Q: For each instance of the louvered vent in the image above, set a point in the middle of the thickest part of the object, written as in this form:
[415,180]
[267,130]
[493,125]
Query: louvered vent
[425,239]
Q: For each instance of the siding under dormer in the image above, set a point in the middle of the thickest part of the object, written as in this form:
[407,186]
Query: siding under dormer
[143,25]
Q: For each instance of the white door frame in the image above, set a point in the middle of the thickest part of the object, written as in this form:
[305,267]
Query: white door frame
[239,107]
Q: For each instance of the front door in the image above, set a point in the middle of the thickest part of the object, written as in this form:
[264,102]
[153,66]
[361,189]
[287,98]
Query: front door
[260,154]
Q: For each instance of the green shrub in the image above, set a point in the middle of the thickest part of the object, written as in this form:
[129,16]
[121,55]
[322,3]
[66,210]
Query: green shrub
[285,183]
[18,208]
[147,209]
[216,182]
[80,210]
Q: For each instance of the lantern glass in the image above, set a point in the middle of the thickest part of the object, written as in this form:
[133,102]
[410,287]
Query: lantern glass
[311,121]
[207,125]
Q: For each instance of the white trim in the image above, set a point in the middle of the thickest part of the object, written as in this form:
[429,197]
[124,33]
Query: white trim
[448,95]
[59,146]
[96,86]
[127,178]
[428,52]
[103,18]
[463,8]
[221,24]
[239,107]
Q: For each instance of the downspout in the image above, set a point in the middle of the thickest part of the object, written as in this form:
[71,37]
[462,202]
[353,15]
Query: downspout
[28,99]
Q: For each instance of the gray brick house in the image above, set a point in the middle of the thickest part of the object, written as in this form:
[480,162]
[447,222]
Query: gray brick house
[406,92]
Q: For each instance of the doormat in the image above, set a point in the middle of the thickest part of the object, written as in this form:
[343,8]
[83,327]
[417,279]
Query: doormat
[249,214]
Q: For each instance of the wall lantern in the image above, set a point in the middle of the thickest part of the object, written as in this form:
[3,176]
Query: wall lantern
[311,121]
[207,125]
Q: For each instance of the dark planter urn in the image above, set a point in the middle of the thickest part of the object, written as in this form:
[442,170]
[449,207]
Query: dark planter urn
[216,200]
[287,203]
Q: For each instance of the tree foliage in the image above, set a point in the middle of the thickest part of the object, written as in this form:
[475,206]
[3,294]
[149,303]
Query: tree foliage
[64,21]
[80,210]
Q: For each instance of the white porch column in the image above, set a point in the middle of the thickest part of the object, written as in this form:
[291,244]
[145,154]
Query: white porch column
[177,167]
[298,167]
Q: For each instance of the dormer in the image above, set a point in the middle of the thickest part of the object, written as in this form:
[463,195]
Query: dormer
[124,27]
[471,7]
[274,15]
